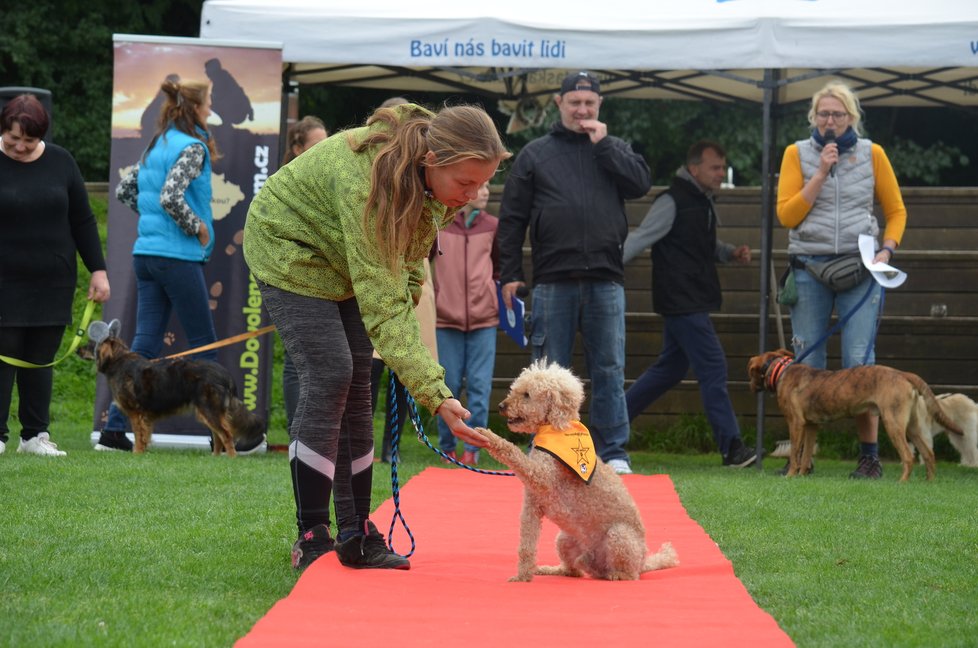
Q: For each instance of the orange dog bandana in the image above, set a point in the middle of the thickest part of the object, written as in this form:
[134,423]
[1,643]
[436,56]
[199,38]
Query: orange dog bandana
[572,446]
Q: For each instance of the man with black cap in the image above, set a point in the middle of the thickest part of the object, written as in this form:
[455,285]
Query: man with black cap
[569,188]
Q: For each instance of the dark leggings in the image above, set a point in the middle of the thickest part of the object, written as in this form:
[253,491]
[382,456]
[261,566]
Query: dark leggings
[37,345]
[331,436]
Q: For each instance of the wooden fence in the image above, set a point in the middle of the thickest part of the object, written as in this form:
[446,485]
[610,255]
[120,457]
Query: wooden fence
[929,325]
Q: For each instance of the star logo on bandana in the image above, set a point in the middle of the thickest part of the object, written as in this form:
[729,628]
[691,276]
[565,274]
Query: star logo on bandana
[582,451]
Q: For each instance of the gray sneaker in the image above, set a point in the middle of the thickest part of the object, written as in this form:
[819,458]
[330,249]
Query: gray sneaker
[369,551]
[620,466]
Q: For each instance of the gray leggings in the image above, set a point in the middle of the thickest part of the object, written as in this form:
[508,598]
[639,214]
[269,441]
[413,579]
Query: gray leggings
[331,436]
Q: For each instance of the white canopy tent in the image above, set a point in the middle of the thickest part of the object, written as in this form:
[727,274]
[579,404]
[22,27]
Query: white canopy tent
[771,52]
[894,52]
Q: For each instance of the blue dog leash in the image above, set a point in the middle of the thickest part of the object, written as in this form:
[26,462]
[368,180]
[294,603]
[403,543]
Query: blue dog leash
[842,321]
[395,433]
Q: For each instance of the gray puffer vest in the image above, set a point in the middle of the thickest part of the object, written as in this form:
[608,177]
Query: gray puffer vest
[844,207]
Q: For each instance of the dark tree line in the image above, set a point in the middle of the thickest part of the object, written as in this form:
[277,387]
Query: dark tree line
[66,47]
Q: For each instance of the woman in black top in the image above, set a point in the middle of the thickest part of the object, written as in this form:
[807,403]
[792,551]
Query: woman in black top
[45,220]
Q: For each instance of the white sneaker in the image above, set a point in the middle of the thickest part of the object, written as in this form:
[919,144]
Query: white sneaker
[41,445]
[620,466]
[3,446]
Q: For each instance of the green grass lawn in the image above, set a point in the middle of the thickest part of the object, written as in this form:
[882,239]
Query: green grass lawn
[181,548]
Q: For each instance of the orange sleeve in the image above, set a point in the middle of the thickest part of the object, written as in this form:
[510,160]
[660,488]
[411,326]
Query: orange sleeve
[792,206]
[888,194]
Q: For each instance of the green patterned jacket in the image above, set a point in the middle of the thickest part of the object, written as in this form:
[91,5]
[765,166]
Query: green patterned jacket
[304,234]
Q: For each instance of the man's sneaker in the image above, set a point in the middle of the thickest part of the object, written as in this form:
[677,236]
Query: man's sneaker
[41,445]
[869,468]
[739,455]
[470,458]
[3,446]
[111,440]
[311,545]
[369,551]
[620,466]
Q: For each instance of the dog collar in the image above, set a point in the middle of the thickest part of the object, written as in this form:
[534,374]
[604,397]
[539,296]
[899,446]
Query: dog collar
[572,446]
[773,372]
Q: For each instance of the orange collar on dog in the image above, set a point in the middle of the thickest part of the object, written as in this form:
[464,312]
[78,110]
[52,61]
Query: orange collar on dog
[572,446]
[773,372]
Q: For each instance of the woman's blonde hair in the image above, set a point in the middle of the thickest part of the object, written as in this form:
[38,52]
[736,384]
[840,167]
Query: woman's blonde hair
[842,92]
[397,189]
[183,99]
[298,133]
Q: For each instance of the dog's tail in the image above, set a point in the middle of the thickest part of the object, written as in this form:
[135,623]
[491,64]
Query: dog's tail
[246,426]
[663,558]
[933,405]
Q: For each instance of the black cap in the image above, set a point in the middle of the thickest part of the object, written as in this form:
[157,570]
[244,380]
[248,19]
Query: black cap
[580,81]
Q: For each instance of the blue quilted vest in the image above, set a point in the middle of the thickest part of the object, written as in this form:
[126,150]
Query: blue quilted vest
[158,233]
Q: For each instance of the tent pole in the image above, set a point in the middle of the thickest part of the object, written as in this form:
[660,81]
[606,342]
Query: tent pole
[767,218]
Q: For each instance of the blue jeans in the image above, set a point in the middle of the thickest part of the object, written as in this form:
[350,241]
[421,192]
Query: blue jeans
[810,319]
[162,286]
[597,309]
[690,341]
[469,358]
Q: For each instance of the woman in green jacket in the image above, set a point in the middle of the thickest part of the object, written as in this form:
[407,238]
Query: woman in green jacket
[336,241]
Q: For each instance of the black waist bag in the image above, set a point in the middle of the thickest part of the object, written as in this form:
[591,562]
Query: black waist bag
[841,273]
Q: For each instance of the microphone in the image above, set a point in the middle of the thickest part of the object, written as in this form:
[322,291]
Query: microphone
[522,292]
[829,138]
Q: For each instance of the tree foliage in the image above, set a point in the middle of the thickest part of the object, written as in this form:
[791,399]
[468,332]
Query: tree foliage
[66,47]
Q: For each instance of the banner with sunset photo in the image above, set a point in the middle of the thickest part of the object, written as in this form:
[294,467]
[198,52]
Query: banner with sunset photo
[246,95]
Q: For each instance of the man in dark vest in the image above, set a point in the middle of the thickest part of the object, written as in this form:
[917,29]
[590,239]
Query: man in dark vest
[681,228]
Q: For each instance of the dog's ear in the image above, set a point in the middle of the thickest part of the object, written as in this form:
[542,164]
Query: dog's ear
[115,327]
[755,372]
[565,399]
[751,363]
[98,331]
[785,353]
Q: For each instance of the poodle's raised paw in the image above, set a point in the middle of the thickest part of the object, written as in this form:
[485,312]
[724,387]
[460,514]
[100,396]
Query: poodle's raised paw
[488,434]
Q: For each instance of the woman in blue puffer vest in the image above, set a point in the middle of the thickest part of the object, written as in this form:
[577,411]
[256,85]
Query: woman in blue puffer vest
[170,189]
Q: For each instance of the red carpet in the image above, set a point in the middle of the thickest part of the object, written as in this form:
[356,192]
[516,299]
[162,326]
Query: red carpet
[456,594]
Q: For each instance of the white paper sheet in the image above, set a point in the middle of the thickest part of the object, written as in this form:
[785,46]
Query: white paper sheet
[885,275]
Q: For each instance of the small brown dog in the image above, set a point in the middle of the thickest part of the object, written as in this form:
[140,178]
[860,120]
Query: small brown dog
[150,390]
[601,531]
[809,396]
